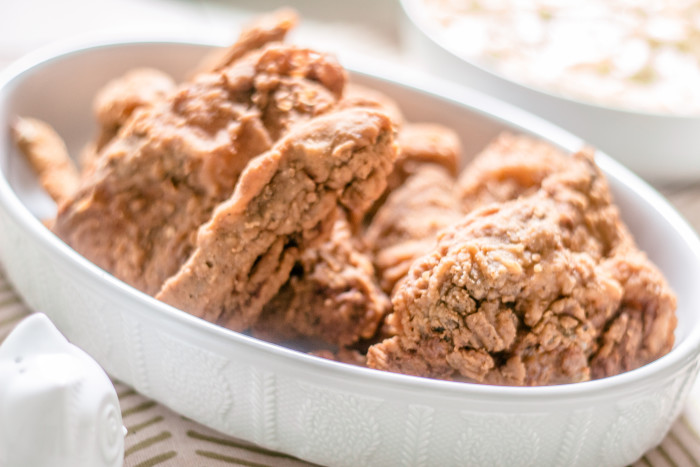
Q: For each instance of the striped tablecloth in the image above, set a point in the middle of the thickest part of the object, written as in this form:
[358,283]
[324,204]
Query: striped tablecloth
[158,436]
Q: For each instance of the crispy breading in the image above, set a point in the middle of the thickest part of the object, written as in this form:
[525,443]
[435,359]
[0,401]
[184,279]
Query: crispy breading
[331,295]
[284,203]
[272,27]
[137,212]
[47,153]
[543,289]
[117,100]
[406,225]
[510,166]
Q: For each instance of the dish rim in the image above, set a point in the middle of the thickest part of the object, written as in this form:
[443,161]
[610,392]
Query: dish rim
[412,11]
[681,355]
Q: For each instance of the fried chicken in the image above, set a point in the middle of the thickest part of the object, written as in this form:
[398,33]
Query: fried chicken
[137,213]
[547,288]
[419,144]
[284,203]
[48,156]
[642,330]
[116,101]
[332,295]
[429,200]
[406,225]
[509,167]
[356,95]
[422,143]
[272,27]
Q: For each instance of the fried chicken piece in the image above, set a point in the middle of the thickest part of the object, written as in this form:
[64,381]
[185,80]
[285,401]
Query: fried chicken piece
[406,225]
[643,329]
[422,143]
[137,213]
[509,167]
[544,289]
[48,156]
[419,201]
[272,27]
[331,295]
[419,144]
[118,99]
[356,95]
[284,203]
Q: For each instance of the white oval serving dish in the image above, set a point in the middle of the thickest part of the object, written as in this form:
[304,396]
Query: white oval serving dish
[659,147]
[319,410]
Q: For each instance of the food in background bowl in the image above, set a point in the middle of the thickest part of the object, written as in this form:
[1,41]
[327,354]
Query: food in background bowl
[242,196]
[640,56]
[618,75]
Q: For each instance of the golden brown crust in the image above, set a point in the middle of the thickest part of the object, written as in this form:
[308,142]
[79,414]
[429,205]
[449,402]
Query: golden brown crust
[331,295]
[284,203]
[406,225]
[48,156]
[272,27]
[510,166]
[643,329]
[117,100]
[356,95]
[532,291]
[422,143]
[172,162]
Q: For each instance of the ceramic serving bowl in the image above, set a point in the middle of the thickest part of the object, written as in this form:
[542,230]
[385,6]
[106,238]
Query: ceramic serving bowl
[659,147]
[319,410]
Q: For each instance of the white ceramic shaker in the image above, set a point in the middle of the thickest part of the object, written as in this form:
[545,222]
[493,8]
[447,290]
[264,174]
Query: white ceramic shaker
[57,406]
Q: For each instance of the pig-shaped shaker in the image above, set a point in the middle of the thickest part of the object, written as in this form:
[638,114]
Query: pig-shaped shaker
[57,406]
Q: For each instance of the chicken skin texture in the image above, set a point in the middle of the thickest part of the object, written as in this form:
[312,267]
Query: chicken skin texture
[332,295]
[543,289]
[137,211]
[406,225]
[284,203]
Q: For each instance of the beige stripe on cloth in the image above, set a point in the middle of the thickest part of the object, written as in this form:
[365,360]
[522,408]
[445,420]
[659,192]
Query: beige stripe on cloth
[158,436]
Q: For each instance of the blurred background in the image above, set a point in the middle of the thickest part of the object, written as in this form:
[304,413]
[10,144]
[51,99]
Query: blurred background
[365,26]
[376,28]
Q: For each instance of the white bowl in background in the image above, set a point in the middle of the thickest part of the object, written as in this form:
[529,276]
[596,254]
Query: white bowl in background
[659,147]
[319,410]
